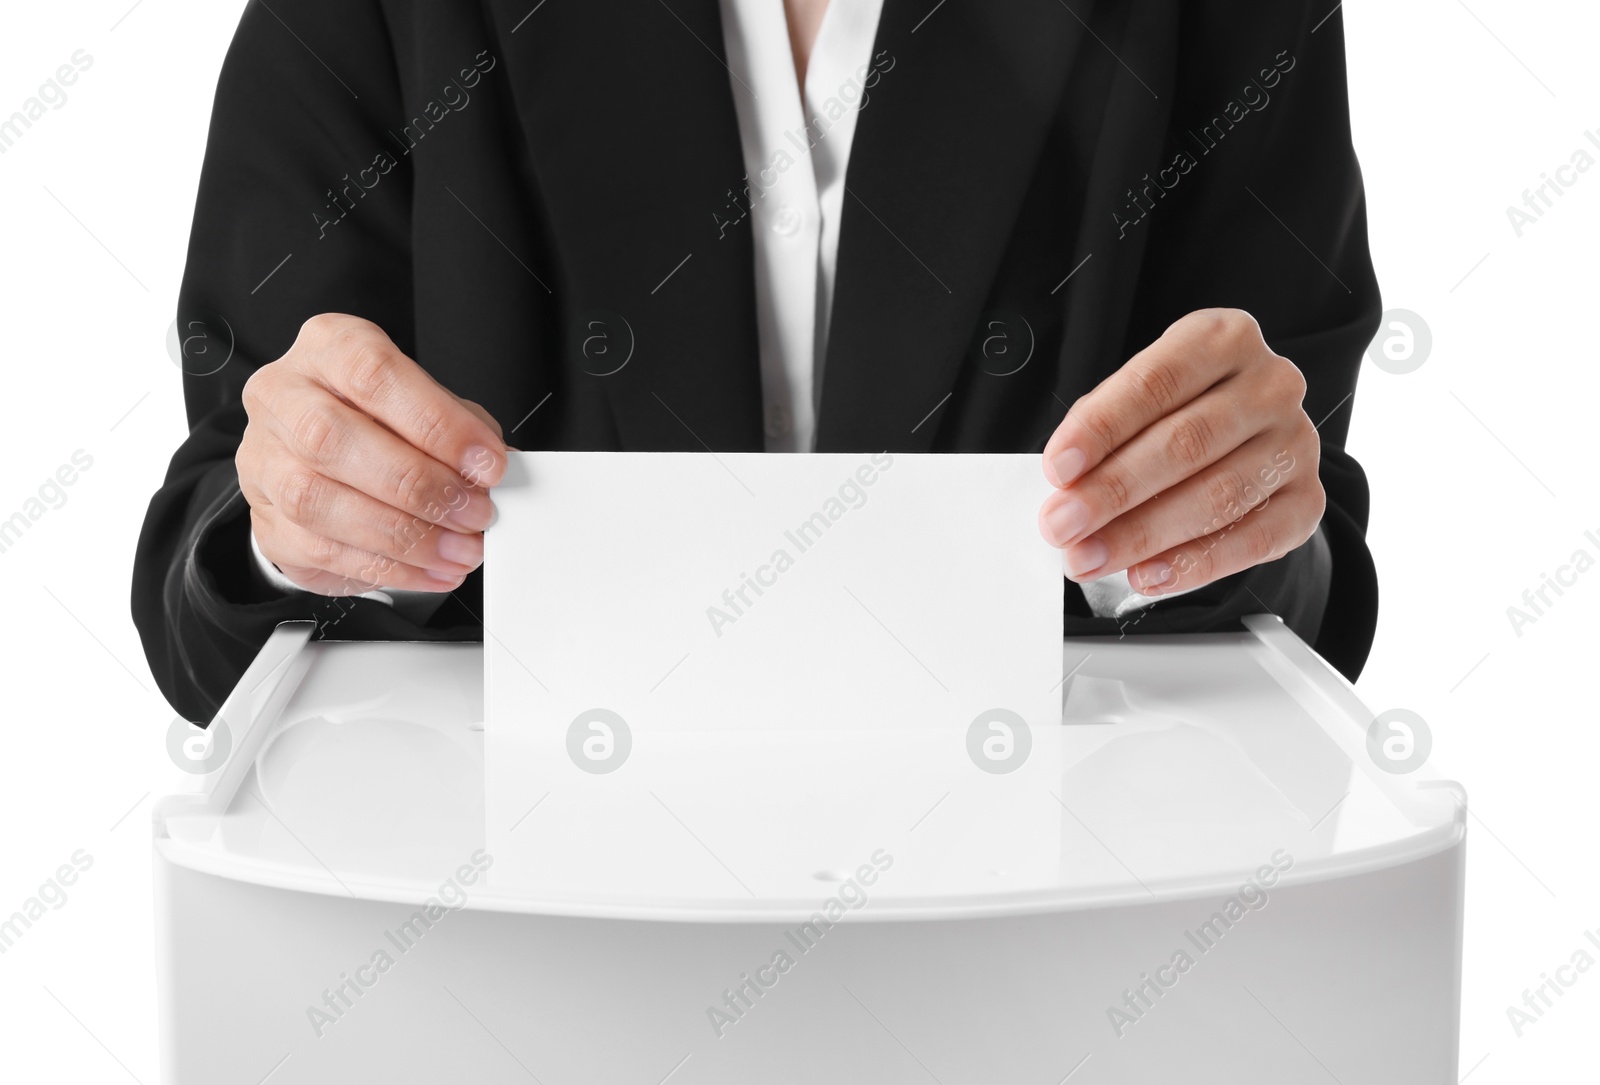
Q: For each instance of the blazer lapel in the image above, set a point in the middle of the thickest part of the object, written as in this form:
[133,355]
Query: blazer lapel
[633,145]
[941,162]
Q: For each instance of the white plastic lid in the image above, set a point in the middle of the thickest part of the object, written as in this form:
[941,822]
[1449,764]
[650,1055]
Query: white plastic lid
[1184,765]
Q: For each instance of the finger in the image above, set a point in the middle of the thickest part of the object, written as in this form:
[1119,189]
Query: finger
[354,359]
[487,418]
[328,567]
[1267,533]
[1207,502]
[328,508]
[342,443]
[250,460]
[1191,356]
[1164,454]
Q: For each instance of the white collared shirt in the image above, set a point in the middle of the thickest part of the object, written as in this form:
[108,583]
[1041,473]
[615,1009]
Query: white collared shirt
[795,155]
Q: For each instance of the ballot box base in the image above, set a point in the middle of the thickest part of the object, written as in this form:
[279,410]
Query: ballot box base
[327,910]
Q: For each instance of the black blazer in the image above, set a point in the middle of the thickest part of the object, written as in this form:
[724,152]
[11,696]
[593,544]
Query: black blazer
[486,184]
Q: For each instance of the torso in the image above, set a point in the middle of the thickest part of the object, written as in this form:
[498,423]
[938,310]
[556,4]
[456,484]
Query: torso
[804,17]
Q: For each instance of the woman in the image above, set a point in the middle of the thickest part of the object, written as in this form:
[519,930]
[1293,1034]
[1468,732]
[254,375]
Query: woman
[1130,235]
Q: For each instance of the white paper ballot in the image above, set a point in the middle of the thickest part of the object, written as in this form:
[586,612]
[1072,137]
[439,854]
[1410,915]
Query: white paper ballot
[668,635]
[751,590]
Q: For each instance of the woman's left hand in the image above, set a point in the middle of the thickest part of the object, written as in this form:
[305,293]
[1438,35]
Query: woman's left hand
[1193,461]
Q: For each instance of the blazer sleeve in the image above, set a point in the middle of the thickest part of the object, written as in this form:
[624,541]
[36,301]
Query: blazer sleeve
[1267,214]
[306,93]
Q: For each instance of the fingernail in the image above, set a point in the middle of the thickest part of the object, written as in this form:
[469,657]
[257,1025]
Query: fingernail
[1066,466]
[482,466]
[472,515]
[461,549]
[1085,558]
[1153,574]
[1067,521]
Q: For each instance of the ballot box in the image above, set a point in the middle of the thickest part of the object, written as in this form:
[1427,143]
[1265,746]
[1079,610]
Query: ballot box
[1215,867]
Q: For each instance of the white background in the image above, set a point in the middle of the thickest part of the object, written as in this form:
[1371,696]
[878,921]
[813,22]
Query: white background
[1481,462]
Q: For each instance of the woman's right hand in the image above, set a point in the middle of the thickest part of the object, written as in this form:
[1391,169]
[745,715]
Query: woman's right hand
[361,470]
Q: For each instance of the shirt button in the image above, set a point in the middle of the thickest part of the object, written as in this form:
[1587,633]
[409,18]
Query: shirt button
[777,420]
[787,221]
